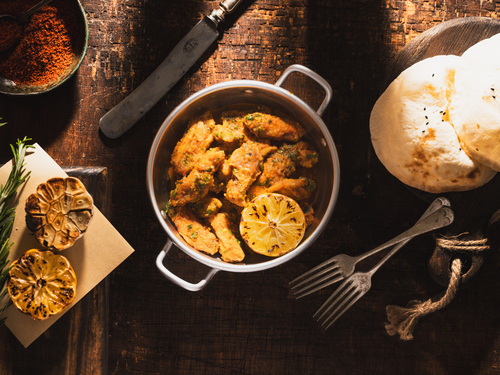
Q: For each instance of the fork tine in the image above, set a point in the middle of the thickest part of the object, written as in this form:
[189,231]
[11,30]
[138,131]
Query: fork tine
[339,293]
[316,275]
[318,267]
[305,291]
[353,298]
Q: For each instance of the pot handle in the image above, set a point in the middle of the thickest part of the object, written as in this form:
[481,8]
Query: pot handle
[177,280]
[315,76]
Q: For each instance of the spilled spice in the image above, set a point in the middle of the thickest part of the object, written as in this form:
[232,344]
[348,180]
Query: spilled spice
[47,46]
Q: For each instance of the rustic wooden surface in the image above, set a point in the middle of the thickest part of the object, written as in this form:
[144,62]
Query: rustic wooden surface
[248,323]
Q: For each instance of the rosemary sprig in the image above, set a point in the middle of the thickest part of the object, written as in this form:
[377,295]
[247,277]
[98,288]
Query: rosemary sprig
[17,176]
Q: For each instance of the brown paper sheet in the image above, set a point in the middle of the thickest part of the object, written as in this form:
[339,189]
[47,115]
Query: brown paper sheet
[93,256]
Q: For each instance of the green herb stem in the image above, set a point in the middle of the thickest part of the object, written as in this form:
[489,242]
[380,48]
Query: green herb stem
[17,176]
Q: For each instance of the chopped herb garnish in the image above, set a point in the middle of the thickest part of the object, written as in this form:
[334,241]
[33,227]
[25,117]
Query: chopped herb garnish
[173,193]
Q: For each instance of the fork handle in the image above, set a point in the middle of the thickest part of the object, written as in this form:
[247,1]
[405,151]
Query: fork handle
[433,207]
[439,219]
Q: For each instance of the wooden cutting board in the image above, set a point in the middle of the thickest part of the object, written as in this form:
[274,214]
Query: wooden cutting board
[78,342]
[473,209]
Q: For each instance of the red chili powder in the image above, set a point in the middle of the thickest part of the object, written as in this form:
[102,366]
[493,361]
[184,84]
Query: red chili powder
[47,46]
[10,33]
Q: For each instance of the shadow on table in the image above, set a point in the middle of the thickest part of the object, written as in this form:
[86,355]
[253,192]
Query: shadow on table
[352,52]
[40,117]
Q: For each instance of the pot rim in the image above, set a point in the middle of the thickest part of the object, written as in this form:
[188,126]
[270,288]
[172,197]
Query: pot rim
[272,262]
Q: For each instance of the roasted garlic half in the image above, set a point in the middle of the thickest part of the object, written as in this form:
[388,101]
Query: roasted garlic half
[59,212]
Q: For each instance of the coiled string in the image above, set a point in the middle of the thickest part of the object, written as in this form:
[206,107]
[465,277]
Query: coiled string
[402,320]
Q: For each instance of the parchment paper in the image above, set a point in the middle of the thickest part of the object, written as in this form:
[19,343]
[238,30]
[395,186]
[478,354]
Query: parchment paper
[93,256]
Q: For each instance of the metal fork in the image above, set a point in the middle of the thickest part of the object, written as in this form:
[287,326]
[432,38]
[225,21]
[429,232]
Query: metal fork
[358,284]
[342,266]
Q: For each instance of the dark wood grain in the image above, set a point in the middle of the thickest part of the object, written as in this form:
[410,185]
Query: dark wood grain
[247,323]
[78,342]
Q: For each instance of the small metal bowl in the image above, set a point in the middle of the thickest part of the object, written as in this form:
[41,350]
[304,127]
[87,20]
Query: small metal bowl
[10,88]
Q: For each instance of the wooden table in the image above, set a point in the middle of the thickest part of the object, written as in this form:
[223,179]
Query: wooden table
[248,323]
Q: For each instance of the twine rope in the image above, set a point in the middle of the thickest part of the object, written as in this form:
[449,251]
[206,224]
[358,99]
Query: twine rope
[402,320]
[452,243]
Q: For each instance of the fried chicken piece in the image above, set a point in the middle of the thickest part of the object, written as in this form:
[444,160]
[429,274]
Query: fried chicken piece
[273,127]
[233,212]
[278,166]
[304,172]
[295,188]
[206,206]
[197,183]
[194,233]
[193,144]
[303,154]
[230,249]
[225,171]
[232,133]
[245,162]
[282,164]
[218,185]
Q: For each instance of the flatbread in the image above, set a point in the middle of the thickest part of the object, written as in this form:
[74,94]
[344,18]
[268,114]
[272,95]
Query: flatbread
[412,135]
[484,53]
[475,104]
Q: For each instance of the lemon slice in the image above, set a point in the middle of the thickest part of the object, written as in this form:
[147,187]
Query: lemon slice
[272,224]
[41,283]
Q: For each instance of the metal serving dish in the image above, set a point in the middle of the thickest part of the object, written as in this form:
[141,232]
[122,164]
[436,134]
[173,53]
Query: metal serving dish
[9,88]
[214,98]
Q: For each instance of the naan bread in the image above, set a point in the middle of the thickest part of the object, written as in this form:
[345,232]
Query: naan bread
[484,53]
[475,104]
[412,135]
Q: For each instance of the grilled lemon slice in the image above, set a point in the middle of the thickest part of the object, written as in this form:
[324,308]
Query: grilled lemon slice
[41,283]
[272,224]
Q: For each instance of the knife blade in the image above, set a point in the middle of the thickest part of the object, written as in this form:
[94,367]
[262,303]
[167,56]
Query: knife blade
[131,109]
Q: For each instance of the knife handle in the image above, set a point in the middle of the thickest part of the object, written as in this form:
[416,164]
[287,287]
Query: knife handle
[225,7]
[230,5]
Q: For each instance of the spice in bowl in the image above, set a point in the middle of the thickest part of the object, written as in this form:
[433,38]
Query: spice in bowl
[47,46]
[10,33]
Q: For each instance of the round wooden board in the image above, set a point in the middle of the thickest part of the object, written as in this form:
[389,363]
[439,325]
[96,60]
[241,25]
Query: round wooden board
[473,209]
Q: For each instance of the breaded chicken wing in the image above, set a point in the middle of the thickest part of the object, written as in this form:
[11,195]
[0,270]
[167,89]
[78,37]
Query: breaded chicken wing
[194,233]
[282,164]
[295,188]
[206,206]
[268,126]
[197,183]
[193,144]
[303,154]
[230,249]
[245,162]
[232,133]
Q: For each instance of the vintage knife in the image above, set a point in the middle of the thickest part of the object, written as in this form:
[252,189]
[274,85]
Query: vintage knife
[124,115]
